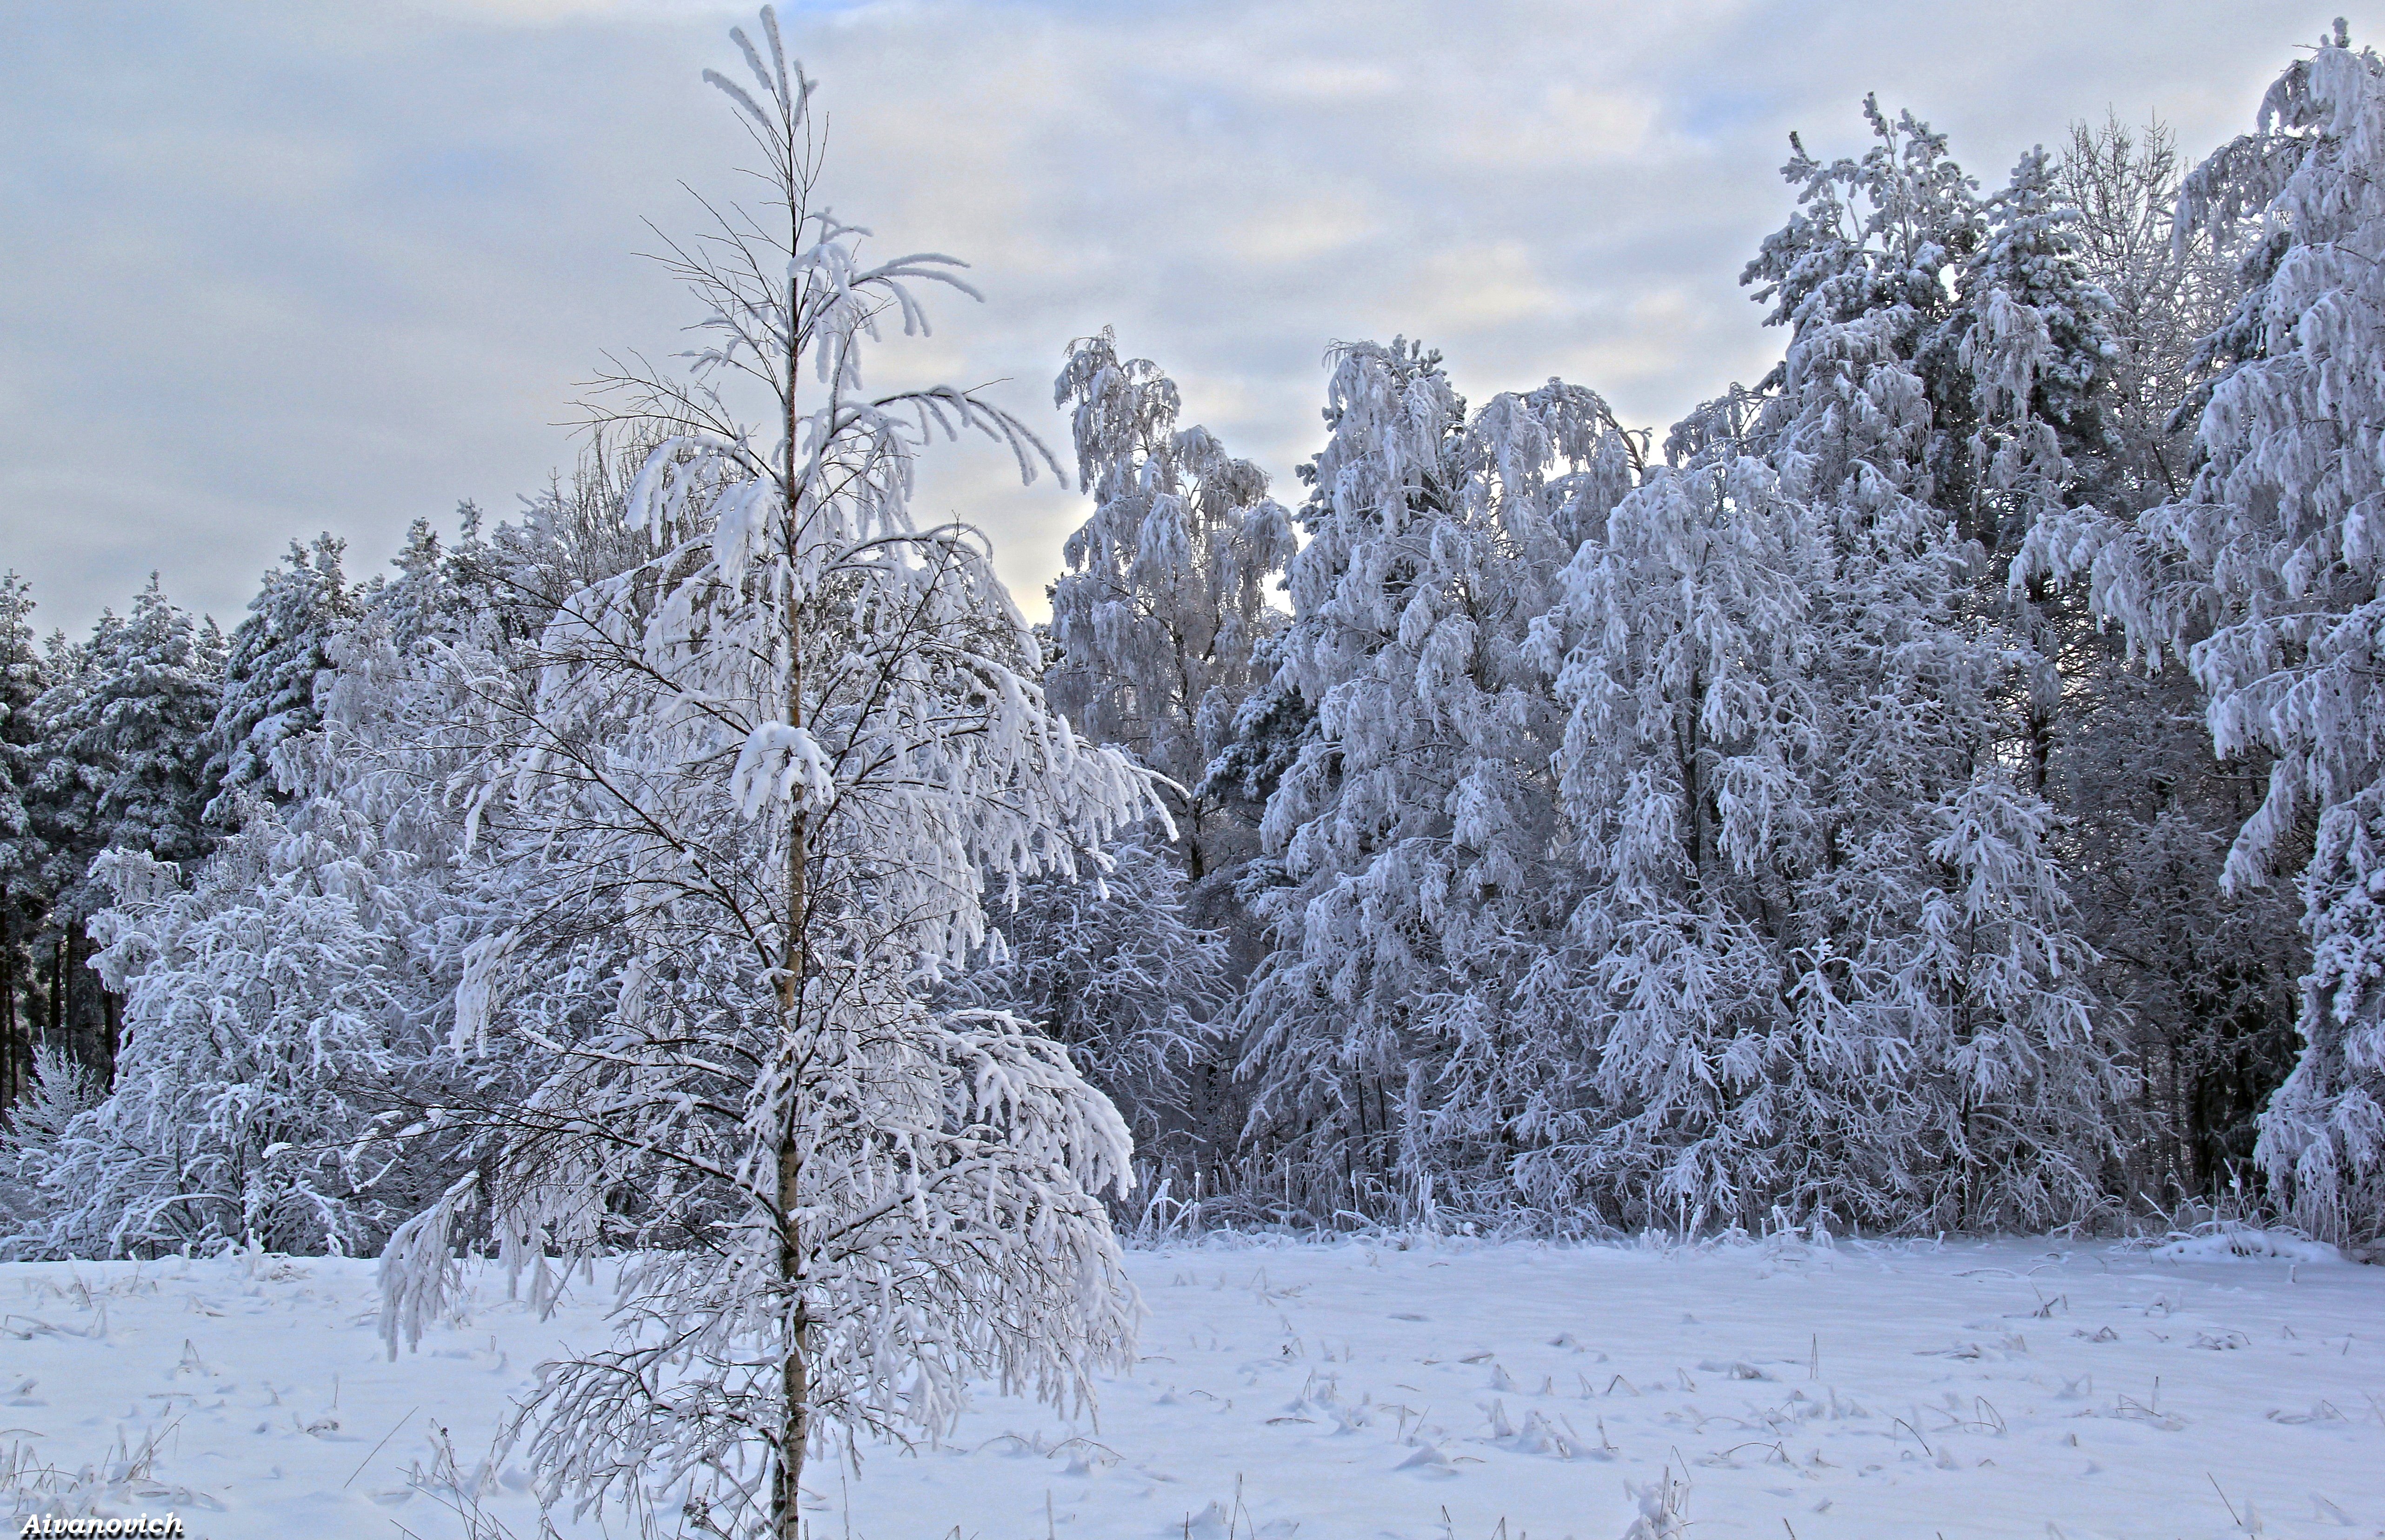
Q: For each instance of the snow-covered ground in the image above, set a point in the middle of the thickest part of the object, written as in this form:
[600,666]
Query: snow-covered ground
[2011,1388]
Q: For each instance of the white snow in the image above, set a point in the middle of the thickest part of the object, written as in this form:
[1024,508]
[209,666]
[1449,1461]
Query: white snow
[1354,1390]
[2219,1245]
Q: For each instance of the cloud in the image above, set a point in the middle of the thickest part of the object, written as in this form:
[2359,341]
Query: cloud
[269,270]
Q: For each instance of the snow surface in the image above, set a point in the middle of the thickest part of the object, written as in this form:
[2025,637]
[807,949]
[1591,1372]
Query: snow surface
[1969,1389]
[2220,1245]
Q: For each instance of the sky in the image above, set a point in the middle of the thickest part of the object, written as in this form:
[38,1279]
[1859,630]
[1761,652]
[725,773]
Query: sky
[271,270]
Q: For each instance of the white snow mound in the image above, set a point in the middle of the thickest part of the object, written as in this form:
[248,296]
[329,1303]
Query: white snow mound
[2247,1245]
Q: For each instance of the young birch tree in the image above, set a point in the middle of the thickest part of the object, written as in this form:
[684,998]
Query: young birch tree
[767,773]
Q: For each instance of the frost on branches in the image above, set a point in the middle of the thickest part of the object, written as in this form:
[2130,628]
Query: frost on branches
[1166,592]
[1411,834]
[2265,580]
[282,1001]
[1823,963]
[769,771]
[1105,962]
[1823,960]
[256,1007]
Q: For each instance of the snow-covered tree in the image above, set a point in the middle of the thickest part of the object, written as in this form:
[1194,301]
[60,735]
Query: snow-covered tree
[1823,960]
[1865,262]
[1166,590]
[283,1005]
[21,851]
[2204,979]
[2026,354]
[1411,836]
[768,772]
[259,1021]
[271,663]
[1156,626]
[1823,957]
[2000,330]
[59,1091]
[1688,1067]
[2167,287]
[118,765]
[1107,962]
[124,741]
[2263,579]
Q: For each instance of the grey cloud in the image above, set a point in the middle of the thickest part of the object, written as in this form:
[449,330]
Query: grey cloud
[264,272]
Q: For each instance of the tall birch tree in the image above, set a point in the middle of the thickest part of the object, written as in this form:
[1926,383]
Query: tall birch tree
[772,772]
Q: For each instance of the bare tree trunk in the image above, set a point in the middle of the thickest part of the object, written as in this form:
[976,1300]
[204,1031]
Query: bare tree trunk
[794,1430]
[111,1017]
[795,1373]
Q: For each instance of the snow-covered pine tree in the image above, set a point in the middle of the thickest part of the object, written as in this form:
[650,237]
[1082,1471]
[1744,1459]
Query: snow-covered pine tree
[2265,580]
[2013,1051]
[271,663]
[1689,1072]
[125,738]
[777,762]
[118,766]
[1412,833]
[1166,590]
[2025,353]
[1995,322]
[1864,263]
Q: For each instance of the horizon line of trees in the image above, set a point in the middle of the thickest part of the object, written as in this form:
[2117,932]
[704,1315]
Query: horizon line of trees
[1933,787]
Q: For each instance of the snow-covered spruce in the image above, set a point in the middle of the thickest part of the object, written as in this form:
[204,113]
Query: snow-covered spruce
[272,662]
[122,753]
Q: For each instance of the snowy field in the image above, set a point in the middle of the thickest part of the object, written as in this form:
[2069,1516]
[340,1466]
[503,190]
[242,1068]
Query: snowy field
[2017,1388]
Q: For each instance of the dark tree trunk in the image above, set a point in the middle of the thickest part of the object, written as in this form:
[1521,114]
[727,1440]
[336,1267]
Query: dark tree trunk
[12,1074]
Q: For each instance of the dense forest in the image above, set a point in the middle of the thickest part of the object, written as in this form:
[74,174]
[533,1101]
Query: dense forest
[1939,786]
